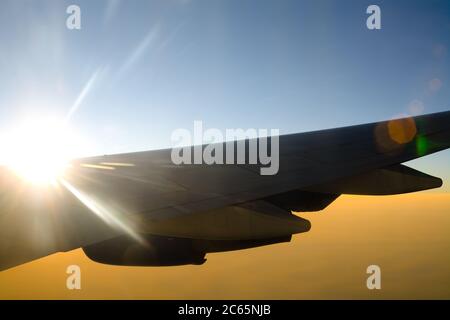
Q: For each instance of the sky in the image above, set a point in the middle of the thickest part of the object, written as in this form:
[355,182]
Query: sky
[149,67]
[140,69]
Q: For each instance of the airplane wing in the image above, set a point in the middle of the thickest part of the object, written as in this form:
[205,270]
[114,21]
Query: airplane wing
[149,200]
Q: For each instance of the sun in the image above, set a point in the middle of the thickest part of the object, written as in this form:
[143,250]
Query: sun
[39,150]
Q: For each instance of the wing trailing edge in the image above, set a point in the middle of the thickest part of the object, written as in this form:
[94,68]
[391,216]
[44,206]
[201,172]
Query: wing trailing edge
[397,179]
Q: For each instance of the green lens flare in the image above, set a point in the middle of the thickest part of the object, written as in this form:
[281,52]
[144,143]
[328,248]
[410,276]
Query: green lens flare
[421,145]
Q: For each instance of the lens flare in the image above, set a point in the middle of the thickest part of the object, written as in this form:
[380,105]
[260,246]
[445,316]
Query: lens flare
[402,131]
[421,145]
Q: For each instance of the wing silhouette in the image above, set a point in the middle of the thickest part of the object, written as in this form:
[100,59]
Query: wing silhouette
[145,210]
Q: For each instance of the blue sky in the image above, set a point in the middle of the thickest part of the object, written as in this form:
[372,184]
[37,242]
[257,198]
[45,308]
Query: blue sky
[155,66]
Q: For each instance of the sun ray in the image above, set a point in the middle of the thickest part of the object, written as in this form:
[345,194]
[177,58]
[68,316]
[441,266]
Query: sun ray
[102,212]
[84,92]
